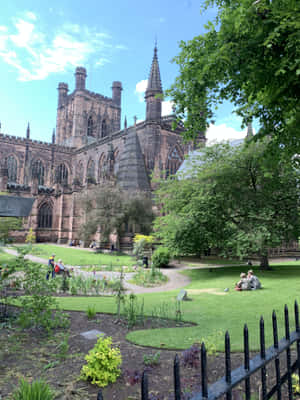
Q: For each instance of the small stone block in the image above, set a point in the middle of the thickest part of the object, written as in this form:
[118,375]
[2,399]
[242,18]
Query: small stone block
[182,295]
[92,335]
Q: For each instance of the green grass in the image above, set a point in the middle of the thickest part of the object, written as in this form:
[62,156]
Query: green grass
[74,256]
[5,258]
[214,313]
[195,261]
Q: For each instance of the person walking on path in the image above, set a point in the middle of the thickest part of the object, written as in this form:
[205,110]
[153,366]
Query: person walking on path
[51,266]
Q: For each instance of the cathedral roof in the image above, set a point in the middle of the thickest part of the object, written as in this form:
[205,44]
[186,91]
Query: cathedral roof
[154,81]
[132,173]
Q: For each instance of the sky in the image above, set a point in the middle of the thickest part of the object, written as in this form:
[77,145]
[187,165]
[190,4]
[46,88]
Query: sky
[42,43]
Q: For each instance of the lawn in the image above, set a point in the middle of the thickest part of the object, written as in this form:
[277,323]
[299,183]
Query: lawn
[214,312]
[76,256]
[5,258]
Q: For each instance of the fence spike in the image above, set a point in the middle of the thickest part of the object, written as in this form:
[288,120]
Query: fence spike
[263,356]
[144,387]
[288,352]
[297,316]
[177,389]
[277,362]
[246,361]
[204,371]
[227,365]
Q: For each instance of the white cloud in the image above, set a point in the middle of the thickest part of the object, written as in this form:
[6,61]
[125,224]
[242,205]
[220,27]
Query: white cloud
[166,108]
[140,89]
[222,132]
[36,55]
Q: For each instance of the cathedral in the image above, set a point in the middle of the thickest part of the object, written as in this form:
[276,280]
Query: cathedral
[89,148]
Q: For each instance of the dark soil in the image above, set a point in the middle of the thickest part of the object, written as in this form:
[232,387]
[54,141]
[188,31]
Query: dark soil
[32,355]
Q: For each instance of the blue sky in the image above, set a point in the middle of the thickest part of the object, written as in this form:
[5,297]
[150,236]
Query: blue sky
[41,45]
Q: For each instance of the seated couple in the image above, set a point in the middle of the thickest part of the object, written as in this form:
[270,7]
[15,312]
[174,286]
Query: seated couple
[61,269]
[248,282]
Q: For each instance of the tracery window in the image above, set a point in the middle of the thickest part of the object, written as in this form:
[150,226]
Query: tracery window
[61,174]
[103,129]
[90,127]
[45,216]
[173,162]
[37,171]
[12,168]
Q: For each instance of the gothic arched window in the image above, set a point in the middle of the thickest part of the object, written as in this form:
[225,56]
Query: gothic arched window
[173,162]
[37,171]
[90,171]
[90,127]
[61,174]
[103,129]
[45,216]
[12,168]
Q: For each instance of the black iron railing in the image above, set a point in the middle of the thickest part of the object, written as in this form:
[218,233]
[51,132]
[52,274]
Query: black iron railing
[233,378]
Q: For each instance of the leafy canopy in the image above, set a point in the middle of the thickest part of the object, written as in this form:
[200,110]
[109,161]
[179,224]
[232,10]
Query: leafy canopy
[249,55]
[240,200]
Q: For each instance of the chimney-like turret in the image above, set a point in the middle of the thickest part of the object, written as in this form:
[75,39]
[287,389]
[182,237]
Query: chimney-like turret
[28,131]
[80,77]
[62,93]
[117,92]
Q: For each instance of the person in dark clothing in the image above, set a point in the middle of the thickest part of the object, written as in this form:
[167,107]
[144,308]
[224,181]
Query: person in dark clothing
[51,266]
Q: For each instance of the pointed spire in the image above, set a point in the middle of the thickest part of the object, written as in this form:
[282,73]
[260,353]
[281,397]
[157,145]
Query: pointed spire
[154,81]
[28,131]
[125,123]
[249,131]
[135,119]
[53,136]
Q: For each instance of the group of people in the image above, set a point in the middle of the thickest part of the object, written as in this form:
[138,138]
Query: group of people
[248,282]
[56,268]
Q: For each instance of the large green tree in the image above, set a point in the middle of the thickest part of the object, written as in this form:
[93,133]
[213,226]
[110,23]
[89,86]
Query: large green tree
[249,55]
[239,200]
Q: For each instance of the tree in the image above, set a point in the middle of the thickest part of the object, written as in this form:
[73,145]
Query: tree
[235,199]
[8,224]
[249,55]
[113,210]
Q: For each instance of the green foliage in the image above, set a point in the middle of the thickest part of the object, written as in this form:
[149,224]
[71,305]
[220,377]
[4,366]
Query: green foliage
[132,311]
[36,390]
[38,302]
[63,348]
[103,363]
[152,360]
[241,200]
[112,210]
[295,384]
[148,278]
[8,224]
[65,284]
[249,55]
[31,237]
[161,257]
[91,312]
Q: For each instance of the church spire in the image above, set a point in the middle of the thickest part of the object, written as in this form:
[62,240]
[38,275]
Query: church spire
[154,92]
[28,131]
[154,81]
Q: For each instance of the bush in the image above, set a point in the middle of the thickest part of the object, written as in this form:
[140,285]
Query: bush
[103,363]
[161,257]
[33,391]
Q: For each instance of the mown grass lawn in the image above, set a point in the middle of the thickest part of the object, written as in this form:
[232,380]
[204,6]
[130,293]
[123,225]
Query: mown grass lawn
[214,312]
[76,256]
[5,258]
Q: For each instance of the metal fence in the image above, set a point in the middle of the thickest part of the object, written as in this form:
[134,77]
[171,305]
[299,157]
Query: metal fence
[233,378]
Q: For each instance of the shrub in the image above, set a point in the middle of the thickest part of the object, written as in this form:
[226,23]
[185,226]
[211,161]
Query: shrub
[103,363]
[33,391]
[91,312]
[161,257]
[30,238]
[152,359]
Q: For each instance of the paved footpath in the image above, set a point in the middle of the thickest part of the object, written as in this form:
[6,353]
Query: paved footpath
[175,279]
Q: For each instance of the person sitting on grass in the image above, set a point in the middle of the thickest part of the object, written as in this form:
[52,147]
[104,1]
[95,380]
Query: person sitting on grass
[253,280]
[243,284]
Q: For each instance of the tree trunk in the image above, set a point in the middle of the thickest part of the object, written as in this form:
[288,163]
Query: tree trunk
[264,262]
